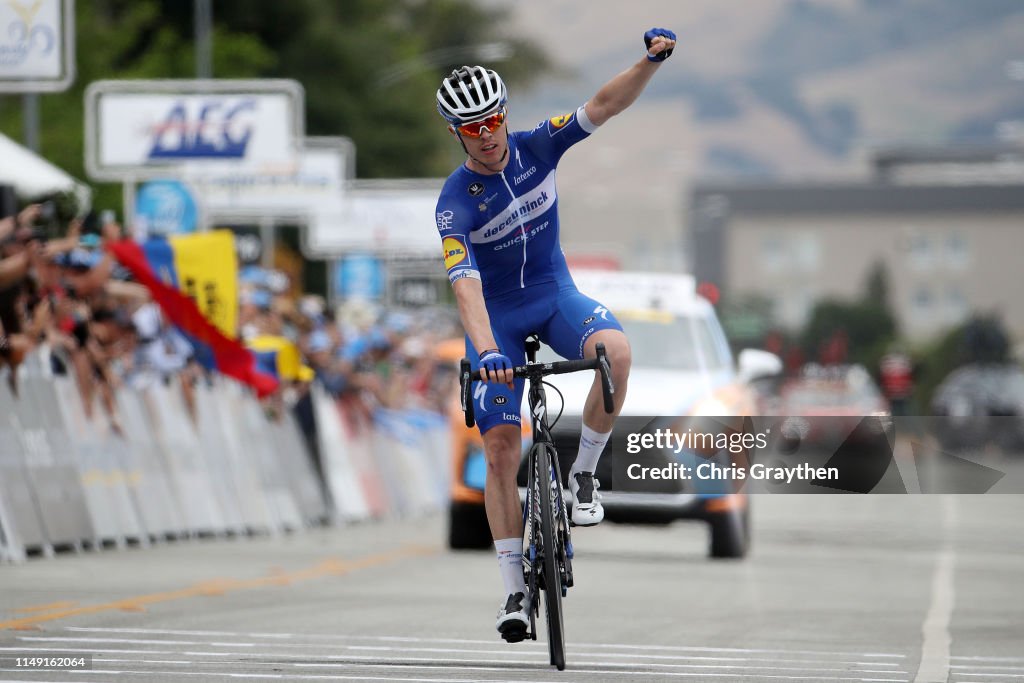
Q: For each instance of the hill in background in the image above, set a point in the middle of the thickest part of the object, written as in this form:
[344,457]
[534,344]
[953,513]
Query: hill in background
[795,88]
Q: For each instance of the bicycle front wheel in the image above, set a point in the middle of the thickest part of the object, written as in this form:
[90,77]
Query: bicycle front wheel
[549,549]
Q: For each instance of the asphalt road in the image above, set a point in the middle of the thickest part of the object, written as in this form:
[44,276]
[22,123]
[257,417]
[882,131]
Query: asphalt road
[837,588]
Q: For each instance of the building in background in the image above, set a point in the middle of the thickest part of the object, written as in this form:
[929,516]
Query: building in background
[947,225]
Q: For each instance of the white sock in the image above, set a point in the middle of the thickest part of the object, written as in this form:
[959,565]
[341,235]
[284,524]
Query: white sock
[591,445]
[510,561]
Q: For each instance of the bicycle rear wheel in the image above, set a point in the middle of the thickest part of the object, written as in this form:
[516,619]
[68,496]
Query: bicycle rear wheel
[550,551]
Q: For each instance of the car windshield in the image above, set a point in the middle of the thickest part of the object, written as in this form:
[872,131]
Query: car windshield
[668,342]
[1014,387]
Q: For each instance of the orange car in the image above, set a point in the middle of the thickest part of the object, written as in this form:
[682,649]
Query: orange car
[467,524]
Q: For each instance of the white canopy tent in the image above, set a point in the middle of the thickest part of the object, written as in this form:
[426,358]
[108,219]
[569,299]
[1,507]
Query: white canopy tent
[33,176]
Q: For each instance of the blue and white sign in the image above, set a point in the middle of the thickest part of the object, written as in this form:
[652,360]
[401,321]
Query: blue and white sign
[36,45]
[147,128]
[359,276]
[165,207]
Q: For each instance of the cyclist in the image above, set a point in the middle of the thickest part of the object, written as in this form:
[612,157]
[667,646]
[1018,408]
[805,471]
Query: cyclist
[498,221]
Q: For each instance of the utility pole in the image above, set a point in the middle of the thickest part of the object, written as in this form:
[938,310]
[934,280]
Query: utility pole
[30,120]
[204,38]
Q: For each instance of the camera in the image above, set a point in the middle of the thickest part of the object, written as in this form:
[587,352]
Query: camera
[47,213]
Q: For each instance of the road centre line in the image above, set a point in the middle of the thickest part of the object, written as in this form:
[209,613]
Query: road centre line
[465,641]
[325,568]
[45,608]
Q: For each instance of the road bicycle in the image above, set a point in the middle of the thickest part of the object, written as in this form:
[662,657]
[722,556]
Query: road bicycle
[548,551]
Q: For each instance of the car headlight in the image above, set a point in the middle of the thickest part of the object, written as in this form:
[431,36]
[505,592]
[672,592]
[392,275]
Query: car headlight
[795,428]
[712,407]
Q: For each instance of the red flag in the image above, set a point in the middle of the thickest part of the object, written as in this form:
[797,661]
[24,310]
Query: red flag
[231,357]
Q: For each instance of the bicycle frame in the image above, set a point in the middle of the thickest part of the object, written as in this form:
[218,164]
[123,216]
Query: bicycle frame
[537,401]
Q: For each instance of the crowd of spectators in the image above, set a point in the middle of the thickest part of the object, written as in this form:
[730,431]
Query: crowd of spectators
[66,299]
[365,355]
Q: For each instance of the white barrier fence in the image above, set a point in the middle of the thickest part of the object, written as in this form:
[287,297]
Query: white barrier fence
[69,482]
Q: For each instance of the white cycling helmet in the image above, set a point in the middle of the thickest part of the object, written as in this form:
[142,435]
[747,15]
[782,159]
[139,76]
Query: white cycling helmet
[470,93]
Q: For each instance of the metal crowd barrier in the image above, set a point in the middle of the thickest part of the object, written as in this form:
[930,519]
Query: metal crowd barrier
[70,481]
[393,463]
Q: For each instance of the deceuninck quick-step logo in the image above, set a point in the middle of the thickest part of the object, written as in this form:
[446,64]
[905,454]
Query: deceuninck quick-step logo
[529,206]
[217,129]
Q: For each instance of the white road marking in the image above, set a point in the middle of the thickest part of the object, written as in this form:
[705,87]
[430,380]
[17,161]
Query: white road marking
[129,641]
[620,655]
[384,658]
[90,649]
[934,667]
[335,677]
[350,661]
[363,677]
[464,641]
[491,652]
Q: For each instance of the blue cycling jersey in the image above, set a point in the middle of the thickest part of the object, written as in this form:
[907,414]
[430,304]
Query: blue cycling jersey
[503,228]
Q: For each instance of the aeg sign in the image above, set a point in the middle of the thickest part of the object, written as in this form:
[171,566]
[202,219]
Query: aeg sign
[140,129]
[215,128]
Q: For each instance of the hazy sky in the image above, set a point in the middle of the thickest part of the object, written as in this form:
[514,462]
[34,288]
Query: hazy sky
[626,187]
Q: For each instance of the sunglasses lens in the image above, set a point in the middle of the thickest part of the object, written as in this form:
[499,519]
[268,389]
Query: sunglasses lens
[491,123]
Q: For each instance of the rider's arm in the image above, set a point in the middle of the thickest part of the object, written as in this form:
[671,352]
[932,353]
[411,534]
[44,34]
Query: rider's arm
[620,92]
[469,294]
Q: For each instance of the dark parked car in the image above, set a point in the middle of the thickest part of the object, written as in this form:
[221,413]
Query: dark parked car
[826,406]
[980,404]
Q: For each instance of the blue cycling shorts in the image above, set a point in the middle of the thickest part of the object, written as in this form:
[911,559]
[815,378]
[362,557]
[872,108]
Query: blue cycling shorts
[564,320]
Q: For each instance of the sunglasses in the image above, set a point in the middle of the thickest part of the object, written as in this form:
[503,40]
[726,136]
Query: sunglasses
[475,129]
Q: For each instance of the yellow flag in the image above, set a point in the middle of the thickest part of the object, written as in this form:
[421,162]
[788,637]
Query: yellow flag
[208,273]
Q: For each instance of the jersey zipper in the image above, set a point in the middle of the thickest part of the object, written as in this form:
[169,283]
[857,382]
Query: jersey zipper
[519,218]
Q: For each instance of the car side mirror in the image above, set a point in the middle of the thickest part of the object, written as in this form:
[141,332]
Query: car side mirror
[756,364]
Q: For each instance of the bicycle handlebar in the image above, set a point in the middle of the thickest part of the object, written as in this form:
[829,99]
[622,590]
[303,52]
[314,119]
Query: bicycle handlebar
[539,371]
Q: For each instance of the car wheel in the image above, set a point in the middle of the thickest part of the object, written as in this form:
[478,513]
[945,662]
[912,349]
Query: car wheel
[467,527]
[730,533]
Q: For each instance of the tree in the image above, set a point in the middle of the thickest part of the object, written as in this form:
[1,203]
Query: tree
[867,328]
[338,51]
[876,287]
[984,340]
